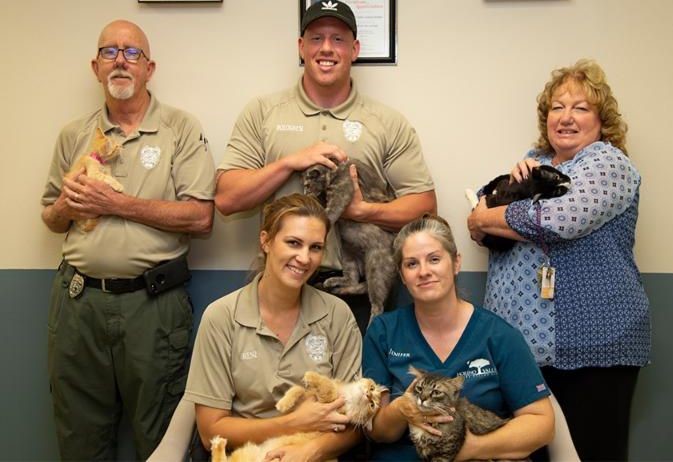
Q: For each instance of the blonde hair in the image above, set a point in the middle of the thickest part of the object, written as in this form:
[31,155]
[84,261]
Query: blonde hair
[275,212]
[589,77]
[434,225]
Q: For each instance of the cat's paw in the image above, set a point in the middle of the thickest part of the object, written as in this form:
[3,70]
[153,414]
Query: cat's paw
[471,198]
[290,399]
[344,286]
[218,447]
[312,378]
[87,225]
[375,311]
[335,282]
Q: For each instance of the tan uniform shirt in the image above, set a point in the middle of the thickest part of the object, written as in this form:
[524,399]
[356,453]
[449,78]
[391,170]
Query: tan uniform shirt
[275,126]
[166,159]
[238,364]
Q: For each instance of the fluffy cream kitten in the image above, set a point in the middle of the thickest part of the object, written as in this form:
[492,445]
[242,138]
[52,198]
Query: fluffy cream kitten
[362,400]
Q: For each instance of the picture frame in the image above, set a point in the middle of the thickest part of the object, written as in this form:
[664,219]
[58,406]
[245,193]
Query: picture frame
[377,28]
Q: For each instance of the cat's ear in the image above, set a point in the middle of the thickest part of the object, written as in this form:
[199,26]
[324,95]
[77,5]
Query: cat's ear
[418,373]
[459,380]
[98,140]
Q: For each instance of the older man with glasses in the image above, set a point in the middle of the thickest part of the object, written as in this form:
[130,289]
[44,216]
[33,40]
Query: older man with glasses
[120,318]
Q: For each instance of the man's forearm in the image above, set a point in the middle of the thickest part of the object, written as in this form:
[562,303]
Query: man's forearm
[239,190]
[55,219]
[393,215]
[191,216]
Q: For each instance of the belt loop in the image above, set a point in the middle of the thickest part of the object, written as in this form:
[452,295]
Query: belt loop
[102,286]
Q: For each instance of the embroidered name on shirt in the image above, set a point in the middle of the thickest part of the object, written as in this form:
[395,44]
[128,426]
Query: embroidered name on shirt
[289,128]
[397,354]
[247,355]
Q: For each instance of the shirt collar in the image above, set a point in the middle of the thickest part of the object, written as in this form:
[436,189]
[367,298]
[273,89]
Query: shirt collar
[340,112]
[150,123]
[247,306]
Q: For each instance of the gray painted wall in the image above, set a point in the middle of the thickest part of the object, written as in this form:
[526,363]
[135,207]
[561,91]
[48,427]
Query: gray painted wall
[28,431]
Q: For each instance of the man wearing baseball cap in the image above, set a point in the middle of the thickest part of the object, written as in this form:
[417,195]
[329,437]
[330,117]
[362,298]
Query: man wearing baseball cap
[325,120]
[330,9]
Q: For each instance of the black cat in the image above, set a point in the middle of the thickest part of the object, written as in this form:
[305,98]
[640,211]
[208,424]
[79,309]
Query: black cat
[544,182]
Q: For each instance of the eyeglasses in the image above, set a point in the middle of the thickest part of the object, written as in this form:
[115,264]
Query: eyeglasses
[131,54]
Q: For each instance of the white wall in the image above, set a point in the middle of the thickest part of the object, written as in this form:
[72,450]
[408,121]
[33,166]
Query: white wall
[467,76]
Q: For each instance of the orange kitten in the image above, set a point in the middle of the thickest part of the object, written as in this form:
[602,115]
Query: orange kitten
[95,163]
[362,400]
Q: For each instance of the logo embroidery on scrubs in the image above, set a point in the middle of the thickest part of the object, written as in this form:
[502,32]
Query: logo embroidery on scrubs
[352,130]
[149,156]
[478,367]
[316,347]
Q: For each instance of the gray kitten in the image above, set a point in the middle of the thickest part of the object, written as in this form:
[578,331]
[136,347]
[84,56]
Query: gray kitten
[367,250]
[434,394]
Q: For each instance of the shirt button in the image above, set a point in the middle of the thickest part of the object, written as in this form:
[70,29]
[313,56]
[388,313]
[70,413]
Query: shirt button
[324,127]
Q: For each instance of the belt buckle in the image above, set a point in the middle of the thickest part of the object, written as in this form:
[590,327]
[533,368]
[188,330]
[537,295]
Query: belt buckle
[103,287]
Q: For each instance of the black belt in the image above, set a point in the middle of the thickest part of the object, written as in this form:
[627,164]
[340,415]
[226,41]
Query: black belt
[115,285]
[161,278]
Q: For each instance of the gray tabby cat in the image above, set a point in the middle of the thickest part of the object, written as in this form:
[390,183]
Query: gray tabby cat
[434,394]
[366,248]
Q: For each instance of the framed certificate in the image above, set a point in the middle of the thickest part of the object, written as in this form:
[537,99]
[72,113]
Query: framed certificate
[377,28]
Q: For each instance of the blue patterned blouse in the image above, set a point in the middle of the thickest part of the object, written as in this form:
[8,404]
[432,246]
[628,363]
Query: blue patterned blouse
[600,314]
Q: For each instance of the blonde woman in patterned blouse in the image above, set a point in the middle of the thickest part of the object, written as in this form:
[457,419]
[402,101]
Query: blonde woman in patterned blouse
[591,334]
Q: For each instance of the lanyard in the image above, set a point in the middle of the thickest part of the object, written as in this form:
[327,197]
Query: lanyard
[540,241]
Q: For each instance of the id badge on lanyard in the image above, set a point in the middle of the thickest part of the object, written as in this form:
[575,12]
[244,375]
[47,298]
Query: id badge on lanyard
[546,274]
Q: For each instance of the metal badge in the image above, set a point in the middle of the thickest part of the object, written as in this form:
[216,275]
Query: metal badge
[76,285]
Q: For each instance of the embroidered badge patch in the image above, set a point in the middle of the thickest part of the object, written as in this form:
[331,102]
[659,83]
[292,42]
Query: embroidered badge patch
[352,130]
[149,156]
[316,347]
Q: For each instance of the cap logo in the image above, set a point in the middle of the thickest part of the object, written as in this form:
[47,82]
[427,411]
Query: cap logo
[329,6]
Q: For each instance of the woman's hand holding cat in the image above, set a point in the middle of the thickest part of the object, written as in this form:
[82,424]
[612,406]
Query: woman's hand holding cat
[469,449]
[408,409]
[522,169]
[293,453]
[323,417]
[474,223]
[320,153]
